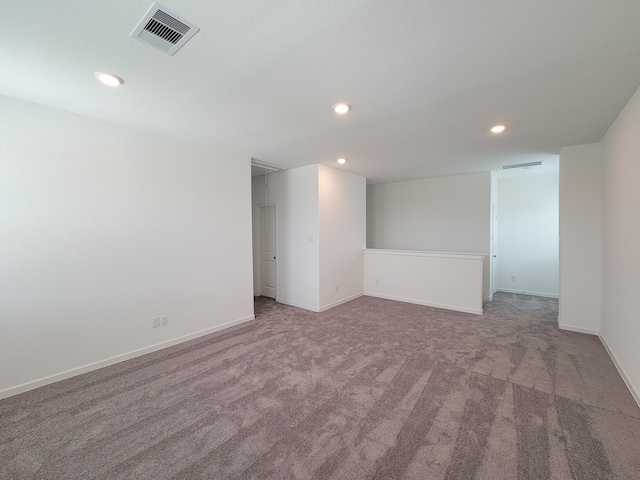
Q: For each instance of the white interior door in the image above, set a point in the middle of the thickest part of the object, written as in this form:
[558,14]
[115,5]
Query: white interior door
[268,249]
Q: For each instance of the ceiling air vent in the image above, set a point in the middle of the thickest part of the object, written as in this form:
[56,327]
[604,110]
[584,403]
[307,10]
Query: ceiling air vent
[164,30]
[521,165]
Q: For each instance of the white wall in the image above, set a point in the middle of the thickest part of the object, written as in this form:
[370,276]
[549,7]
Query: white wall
[103,228]
[580,238]
[621,241]
[449,214]
[342,214]
[528,234]
[295,194]
[327,206]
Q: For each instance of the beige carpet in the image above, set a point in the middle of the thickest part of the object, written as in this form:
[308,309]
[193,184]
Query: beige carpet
[370,389]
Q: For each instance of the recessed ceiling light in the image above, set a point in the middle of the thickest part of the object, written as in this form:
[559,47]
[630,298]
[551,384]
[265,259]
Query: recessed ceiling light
[341,108]
[342,160]
[109,79]
[498,128]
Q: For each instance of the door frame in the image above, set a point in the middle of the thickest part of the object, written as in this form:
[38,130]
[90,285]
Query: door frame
[494,249]
[258,216]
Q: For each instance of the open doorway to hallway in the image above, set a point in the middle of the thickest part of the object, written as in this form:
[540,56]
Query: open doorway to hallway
[265,232]
[525,226]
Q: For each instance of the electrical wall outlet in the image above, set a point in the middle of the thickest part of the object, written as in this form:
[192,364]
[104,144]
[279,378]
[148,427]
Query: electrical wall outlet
[156,322]
[337,288]
[164,320]
[377,281]
[513,278]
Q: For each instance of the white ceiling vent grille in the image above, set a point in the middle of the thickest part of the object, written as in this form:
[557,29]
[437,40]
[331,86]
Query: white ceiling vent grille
[164,30]
[521,165]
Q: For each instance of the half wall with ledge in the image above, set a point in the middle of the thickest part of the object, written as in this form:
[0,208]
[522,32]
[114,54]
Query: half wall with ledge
[437,279]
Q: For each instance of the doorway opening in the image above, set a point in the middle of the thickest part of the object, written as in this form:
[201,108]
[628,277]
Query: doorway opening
[525,231]
[265,230]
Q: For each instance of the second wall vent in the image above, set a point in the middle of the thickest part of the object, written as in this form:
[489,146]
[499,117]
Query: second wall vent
[521,165]
[164,30]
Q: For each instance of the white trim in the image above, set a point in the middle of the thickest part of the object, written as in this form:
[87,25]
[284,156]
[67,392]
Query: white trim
[56,377]
[486,300]
[634,391]
[571,328]
[267,166]
[298,305]
[427,304]
[418,253]
[526,292]
[340,302]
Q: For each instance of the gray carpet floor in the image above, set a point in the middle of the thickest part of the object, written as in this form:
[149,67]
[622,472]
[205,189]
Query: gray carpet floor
[372,389]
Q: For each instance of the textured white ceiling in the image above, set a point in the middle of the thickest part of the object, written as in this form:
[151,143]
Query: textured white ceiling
[426,78]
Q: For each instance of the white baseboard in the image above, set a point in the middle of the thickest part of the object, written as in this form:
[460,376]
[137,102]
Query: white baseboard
[298,305]
[56,377]
[634,391]
[427,304]
[527,292]
[571,328]
[486,300]
[318,309]
[340,302]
